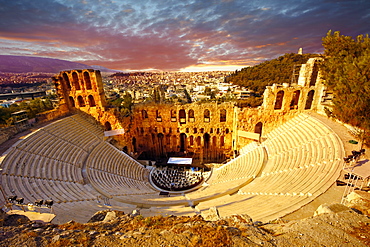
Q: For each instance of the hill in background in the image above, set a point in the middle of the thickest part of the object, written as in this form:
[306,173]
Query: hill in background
[24,64]
[279,70]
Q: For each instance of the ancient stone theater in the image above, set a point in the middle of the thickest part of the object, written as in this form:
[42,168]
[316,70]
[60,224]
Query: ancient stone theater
[179,159]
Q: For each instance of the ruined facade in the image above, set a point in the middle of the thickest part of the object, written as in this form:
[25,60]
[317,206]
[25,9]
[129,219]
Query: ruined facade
[209,132]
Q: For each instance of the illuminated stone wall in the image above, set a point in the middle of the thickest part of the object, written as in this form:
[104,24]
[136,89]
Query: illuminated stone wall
[208,131]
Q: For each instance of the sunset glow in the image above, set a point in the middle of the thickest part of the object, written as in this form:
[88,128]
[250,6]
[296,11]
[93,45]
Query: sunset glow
[174,35]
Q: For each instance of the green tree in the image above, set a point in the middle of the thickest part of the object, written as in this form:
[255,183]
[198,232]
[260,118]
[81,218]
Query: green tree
[346,71]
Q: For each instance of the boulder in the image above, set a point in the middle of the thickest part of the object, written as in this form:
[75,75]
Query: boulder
[330,208]
[211,214]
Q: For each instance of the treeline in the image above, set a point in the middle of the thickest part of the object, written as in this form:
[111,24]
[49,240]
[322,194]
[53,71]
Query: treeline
[279,70]
[32,107]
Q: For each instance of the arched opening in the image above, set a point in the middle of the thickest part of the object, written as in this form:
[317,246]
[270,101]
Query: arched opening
[76,83]
[191,140]
[191,116]
[206,138]
[199,141]
[258,128]
[107,126]
[173,115]
[222,115]
[66,79]
[72,101]
[182,116]
[87,80]
[91,101]
[158,116]
[134,144]
[214,141]
[315,71]
[295,99]
[309,100]
[182,142]
[207,116]
[160,144]
[81,102]
[144,114]
[222,141]
[279,100]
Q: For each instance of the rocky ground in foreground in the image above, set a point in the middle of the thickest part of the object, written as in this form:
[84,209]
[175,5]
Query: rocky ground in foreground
[333,225]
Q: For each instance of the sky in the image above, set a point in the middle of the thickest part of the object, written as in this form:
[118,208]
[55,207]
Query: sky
[174,35]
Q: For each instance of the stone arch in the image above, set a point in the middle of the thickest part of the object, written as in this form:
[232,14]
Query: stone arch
[182,116]
[207,139]
[66,79]
[191,140]
[191,116]
[87,80]
[134,144]
[258,128]
[315,72]
[295,100]
[279,100]
[222,141]
[81,101]
[75,81]
[174,141]
[72,101]
[183,142]
[214,141]
[160,138]
[199,141]
[144,114]
[107,126]
[91,101]
[309,100]
[223,115]
[207,116]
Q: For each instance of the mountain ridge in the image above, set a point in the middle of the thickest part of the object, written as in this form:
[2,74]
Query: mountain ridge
[24,64]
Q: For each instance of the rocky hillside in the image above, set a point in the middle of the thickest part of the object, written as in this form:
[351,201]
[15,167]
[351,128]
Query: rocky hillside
[24,64]
[332,225]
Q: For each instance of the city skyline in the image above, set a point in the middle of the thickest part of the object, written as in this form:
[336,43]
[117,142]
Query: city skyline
[174,35]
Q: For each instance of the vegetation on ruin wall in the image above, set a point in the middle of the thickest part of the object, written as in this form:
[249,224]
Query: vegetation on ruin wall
[346,71]
[279,70]
[32,107]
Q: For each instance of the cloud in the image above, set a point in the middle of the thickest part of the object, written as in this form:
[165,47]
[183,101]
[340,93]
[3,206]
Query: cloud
[171,35]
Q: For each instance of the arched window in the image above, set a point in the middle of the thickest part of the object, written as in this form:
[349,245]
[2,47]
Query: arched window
[222,115]
[107,126]
[81,102]
[71,101]
[76,83]
[91,101]
[295,99]
[207,115]
[309,100]
[191,116]
[66,79]
[279,100]
[214,141]
[173,115]
[258,128]
[158,116]
[87,80]
[315,71]
[182,116]
[206,139]
[191,140]
[199,141]
[222,141]
[144,114]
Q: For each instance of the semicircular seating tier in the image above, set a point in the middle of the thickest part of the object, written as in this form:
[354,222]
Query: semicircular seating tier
[304,160]
[69,162]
